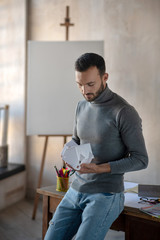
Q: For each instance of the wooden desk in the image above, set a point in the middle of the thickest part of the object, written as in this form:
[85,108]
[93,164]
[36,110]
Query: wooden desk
[135,224]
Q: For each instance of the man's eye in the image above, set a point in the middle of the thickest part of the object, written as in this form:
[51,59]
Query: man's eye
[91,84]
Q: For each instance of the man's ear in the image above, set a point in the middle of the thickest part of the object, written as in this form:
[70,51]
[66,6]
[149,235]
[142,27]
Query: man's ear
[105,77]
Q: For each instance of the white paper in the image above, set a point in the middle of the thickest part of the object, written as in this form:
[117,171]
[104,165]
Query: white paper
[75,154]
[68,145]
[128,186]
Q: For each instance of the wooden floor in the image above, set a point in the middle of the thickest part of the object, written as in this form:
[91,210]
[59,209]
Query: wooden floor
[16,222]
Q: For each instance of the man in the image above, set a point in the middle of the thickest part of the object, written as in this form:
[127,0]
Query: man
[113,128]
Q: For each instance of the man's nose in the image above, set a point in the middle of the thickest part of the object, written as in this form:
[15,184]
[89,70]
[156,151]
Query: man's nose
[84,89]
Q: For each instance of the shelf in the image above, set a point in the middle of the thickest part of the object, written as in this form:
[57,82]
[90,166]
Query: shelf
[10,170]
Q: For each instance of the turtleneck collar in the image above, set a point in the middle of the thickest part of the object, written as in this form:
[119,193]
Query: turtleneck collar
[105,96]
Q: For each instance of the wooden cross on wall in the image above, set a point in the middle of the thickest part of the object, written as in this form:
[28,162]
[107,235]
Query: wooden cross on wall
[67,23]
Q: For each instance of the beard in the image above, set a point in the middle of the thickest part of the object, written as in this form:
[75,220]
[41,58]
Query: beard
[92,96]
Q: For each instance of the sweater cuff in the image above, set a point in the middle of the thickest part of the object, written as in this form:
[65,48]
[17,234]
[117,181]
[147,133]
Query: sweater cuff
[114,167]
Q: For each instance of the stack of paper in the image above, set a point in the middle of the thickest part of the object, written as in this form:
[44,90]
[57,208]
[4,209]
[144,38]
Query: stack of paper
[75,154]
[131,187]
[153,210]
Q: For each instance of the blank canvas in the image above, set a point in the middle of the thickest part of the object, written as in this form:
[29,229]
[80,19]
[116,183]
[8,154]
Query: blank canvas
[52,94]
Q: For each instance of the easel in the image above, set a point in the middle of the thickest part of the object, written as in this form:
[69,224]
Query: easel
[67,24]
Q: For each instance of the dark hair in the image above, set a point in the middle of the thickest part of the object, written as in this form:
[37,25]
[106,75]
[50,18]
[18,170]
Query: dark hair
[87,60]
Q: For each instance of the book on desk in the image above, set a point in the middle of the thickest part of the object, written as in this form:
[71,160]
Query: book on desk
[153,210]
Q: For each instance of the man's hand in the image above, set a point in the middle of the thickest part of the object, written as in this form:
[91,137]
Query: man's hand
[94,168]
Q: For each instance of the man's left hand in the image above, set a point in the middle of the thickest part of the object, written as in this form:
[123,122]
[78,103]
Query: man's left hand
[94,168]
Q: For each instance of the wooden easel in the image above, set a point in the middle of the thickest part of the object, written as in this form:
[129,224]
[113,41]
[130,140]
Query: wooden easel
[67,24]
[42,168]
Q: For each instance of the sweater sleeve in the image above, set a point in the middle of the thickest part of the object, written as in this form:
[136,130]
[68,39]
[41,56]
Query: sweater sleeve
[130,127]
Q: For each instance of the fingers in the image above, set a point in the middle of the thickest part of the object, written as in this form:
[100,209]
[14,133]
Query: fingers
[85,168]
[70,166]
[88,168]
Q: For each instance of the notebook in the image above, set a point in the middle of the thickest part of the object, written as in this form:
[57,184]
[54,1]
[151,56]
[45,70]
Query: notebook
[145,190]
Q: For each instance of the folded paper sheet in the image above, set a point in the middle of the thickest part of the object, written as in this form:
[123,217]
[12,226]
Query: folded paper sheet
[75,154]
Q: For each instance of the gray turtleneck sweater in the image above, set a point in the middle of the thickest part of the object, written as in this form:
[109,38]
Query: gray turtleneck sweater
[113,128]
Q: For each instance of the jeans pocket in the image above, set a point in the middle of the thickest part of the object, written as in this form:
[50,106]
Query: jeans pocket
[107,194]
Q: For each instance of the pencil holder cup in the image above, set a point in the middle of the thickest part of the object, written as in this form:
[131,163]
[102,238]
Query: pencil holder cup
[62,184]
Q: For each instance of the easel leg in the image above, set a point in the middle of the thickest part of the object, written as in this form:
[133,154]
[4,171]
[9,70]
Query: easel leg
[40,178]
[64,142]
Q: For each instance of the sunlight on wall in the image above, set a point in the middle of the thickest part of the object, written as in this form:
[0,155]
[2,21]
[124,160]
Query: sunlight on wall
[12,82]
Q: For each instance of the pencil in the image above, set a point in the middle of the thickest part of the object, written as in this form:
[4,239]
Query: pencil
[57,171]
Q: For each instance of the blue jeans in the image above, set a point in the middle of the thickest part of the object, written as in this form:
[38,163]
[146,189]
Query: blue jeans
[89,216]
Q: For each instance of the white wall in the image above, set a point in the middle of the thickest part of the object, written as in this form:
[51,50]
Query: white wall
[131,31]
[12,74]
